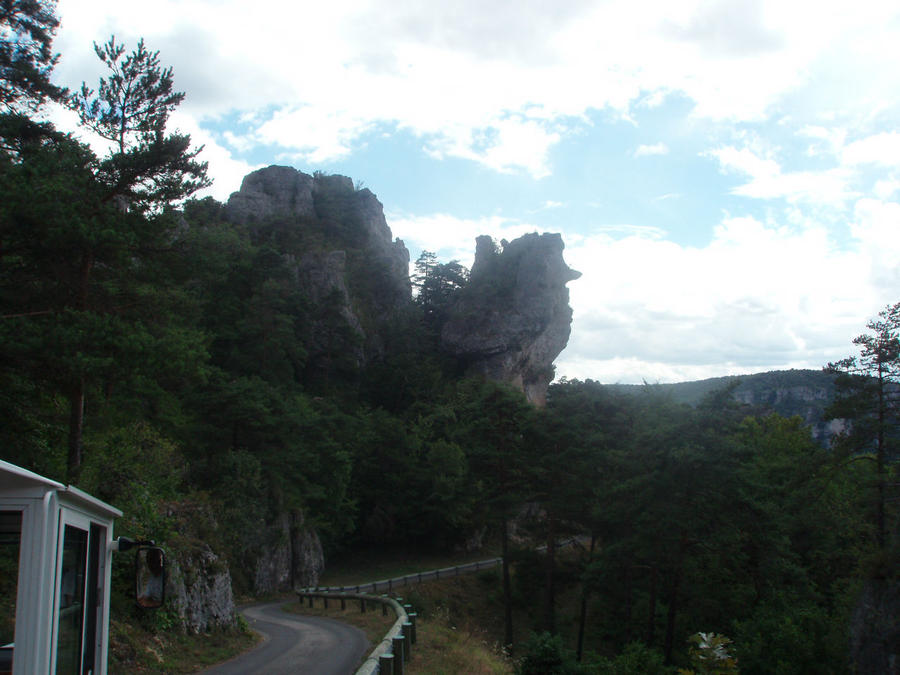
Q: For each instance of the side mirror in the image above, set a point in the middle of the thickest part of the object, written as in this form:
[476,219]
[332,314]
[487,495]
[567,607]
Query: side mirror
[150,577]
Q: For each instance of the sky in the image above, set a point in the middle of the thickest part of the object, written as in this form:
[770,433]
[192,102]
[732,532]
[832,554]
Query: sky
[725,174]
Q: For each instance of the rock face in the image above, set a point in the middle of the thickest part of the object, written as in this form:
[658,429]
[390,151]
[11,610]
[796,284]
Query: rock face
[345,251]
[807,399]
[513,318]
[198,589]
[286,194]
[323,277]
[293,558]
[277,191]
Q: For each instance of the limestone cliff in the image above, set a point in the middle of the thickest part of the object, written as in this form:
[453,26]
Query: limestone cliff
[340,247]
[292,558]
[198,588]
[513,318]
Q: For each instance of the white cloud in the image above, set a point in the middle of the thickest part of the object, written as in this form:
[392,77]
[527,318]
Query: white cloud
[225,171]
[882,149]
[757,297]
[316,135]
[451,237]
[517,70]
[506,145]
[831,187]
[886,188]
[648,150]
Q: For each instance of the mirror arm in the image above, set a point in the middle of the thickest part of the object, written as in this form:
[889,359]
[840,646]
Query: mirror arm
[127,543]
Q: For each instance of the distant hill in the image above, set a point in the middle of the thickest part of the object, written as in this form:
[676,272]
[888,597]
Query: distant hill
[787,392]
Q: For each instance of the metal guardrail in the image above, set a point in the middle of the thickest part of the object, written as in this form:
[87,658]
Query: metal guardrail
[388,585]
[394,648]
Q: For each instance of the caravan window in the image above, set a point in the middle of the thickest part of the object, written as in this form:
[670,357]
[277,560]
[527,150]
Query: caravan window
[10,543]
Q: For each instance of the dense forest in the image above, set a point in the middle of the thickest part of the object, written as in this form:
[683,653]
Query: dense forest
[165,358]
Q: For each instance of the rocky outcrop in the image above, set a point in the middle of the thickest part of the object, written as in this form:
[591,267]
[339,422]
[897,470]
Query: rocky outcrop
[198,589]
[808,399]
[277,191]
[513,318]
[344,256]
[293,557]
[335,328]
[354,217]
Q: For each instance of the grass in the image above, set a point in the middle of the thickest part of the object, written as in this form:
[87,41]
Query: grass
[136,649]
[442,648]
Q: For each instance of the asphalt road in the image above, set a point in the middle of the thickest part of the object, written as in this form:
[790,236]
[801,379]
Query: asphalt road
[296,644]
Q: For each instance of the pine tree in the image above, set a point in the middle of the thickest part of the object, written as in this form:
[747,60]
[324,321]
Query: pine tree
[80,238]
[27,28]
[868,395]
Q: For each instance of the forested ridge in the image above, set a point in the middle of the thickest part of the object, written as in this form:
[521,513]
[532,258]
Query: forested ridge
[165,358]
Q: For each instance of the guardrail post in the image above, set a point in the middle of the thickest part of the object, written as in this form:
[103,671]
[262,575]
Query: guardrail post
[362,605]
[310,600]
[407,639]
[398,649]
[386,664]
[412,634]
[325,601]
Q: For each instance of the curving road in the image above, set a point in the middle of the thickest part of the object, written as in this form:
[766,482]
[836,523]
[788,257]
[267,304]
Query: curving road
[293,643]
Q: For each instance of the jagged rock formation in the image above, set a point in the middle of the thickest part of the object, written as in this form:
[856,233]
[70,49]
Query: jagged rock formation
[293,559]
[198,589]
[276,191]
[340,230]
[323,278]
[513,318]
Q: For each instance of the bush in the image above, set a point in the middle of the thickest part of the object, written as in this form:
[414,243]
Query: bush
[546,655]
[636,659]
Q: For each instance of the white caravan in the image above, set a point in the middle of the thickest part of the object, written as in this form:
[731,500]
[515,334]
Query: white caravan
[56,546]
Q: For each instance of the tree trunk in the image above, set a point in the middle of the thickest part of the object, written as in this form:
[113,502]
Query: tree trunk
[550,577]
[76,428]
[507,591]
[582,615]
[882,535]
[672,610]
[670,618]
[76,395]
[651,612]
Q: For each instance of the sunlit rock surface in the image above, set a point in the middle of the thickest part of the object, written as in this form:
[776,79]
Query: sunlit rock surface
[513,318]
